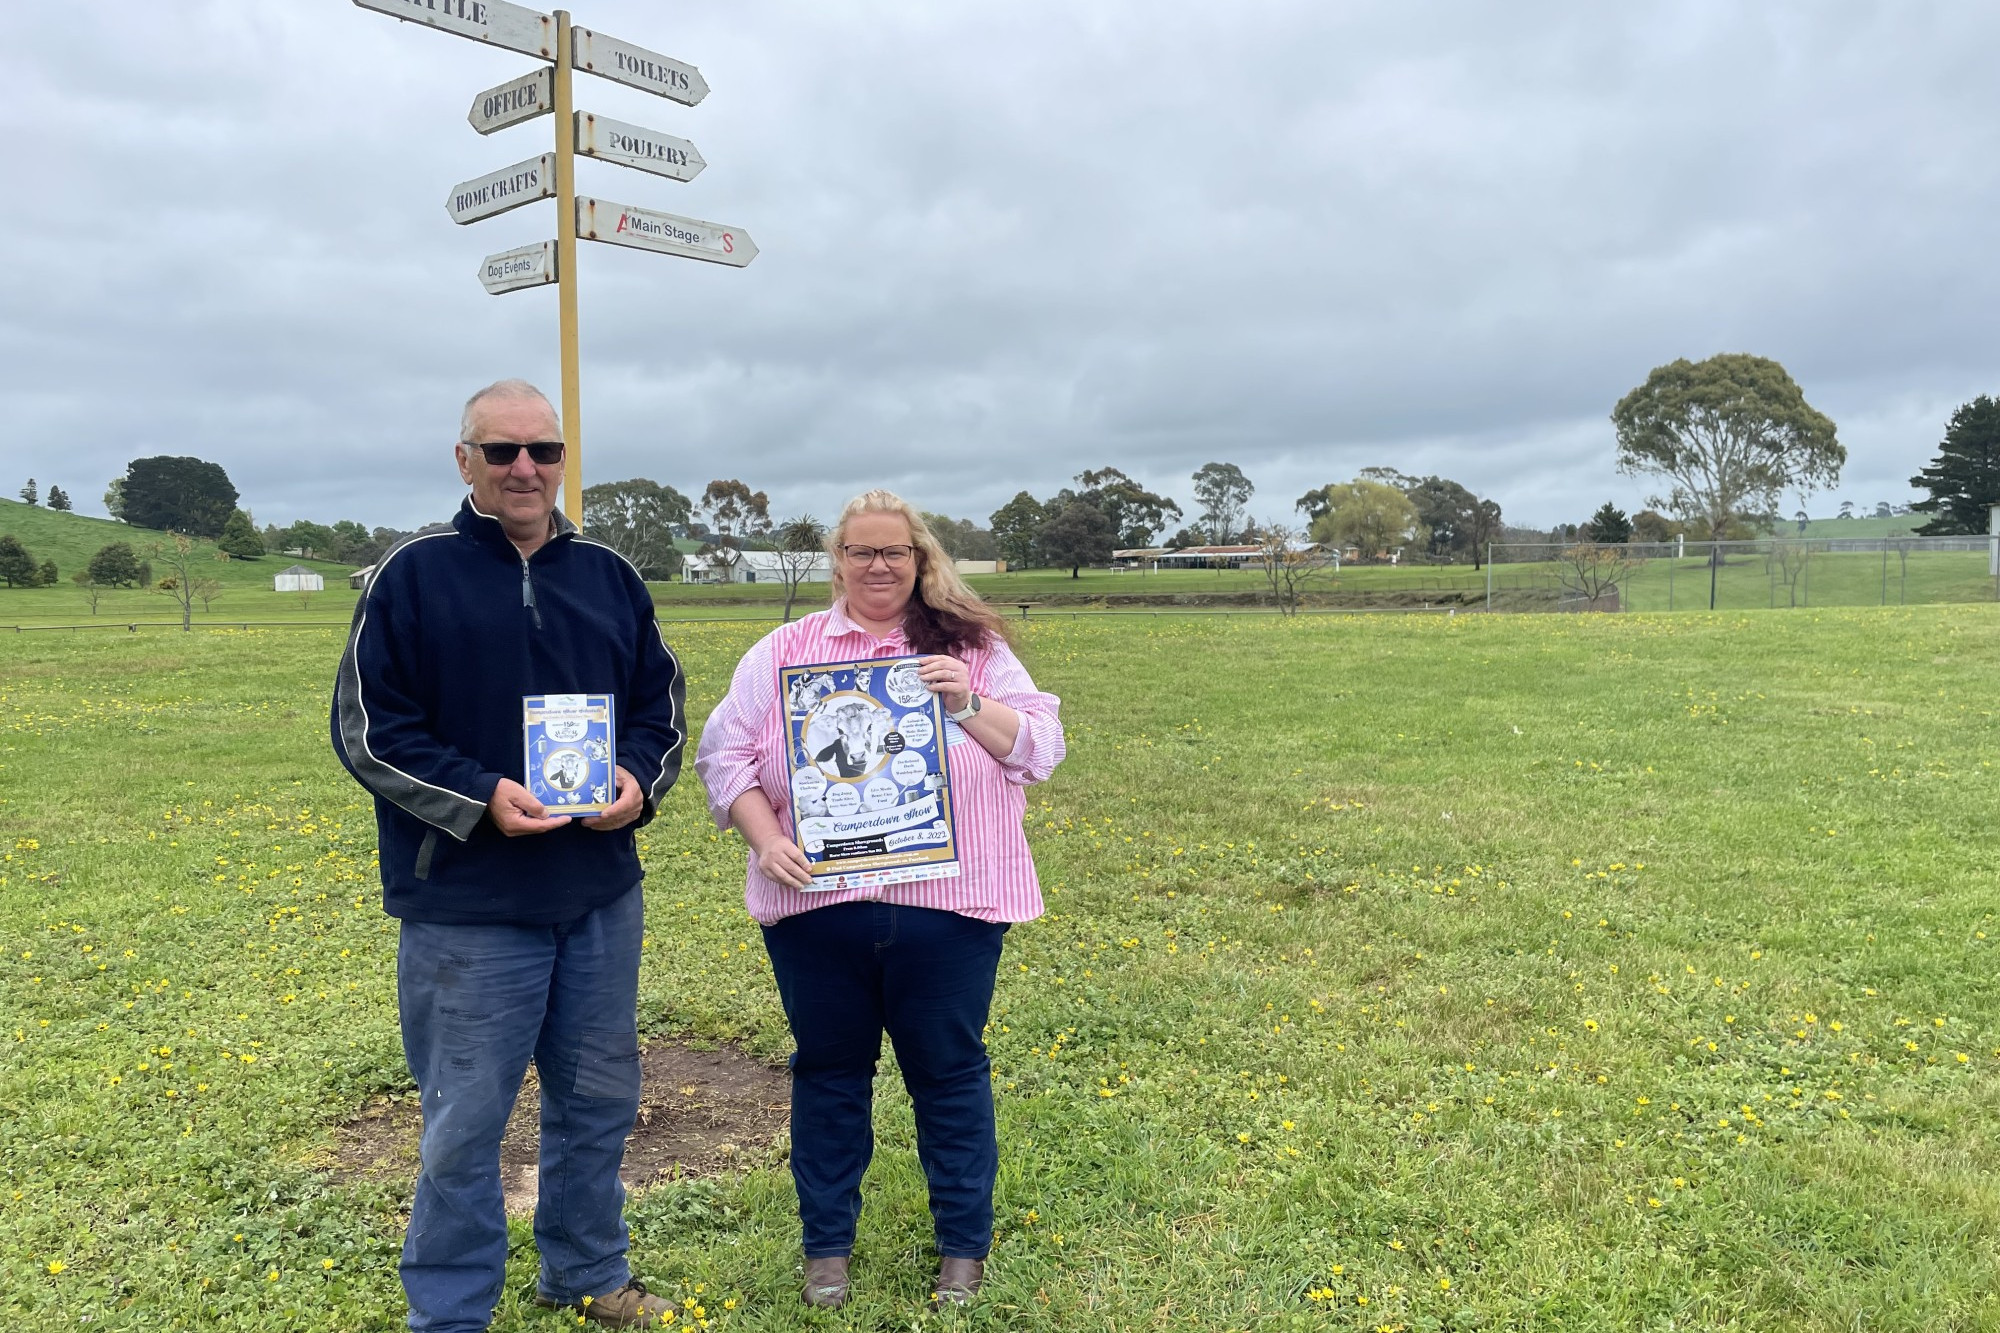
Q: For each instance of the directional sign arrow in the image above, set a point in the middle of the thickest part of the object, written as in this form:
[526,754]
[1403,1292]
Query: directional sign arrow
[631,146]
[514,27]
[622,62]
[509,187]
[514,101]
[643,229]
[511,270]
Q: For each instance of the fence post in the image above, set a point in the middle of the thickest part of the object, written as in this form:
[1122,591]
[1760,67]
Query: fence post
[1714,563]
[1670,581]
[1885,573]
[1489,570]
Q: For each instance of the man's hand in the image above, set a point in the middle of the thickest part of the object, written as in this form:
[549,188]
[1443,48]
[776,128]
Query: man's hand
[516,813]
[621,811]
[780,859]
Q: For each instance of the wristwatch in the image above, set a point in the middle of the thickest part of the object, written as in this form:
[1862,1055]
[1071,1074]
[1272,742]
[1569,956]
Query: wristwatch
[970,708]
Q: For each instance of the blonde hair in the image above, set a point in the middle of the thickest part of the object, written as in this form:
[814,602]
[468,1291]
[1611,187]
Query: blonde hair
[944,616]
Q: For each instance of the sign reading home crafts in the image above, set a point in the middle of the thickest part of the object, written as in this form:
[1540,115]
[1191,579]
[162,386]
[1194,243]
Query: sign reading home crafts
[512,102]
[666,233]
[507,188]
[630,145]
[514,27]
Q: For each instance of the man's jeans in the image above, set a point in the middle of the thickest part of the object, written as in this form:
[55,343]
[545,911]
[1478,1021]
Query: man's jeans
[477,1002]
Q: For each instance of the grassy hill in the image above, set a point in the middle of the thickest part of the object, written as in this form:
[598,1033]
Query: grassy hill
[1900,526]
[72,539]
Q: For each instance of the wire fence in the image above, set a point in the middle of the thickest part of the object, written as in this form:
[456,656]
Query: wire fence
[1727,576]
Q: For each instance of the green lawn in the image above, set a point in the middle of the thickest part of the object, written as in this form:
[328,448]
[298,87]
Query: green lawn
[1513,972]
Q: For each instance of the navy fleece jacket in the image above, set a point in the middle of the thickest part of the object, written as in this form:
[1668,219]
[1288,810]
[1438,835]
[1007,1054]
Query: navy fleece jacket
[454,629]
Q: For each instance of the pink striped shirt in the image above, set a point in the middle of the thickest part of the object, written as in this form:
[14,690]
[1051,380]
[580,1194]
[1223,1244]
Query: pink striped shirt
[743,746]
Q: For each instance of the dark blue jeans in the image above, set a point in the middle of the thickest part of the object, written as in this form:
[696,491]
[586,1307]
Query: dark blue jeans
[477,1002]
[847,973]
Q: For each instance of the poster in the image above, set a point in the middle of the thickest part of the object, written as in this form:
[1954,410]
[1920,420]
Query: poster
[871,793]
[571,752]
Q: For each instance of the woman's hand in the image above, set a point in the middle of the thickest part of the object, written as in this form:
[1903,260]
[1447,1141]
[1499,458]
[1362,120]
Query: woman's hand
[949,679]
[779,859]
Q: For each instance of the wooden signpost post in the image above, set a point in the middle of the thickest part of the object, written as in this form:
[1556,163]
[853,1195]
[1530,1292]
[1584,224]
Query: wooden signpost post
[546,90]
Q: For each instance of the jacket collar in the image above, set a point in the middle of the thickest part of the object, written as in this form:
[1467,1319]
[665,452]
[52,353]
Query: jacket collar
[485,529]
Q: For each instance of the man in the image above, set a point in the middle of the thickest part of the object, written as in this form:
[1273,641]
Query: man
[520,929]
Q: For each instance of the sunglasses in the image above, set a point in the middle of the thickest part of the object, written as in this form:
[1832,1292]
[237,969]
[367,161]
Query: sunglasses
[543,452]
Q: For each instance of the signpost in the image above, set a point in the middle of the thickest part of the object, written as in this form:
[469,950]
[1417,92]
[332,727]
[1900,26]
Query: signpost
[503,190]
[630,146]
[622,62]
[512,102]
[663,233]
[511,270]
[546,90]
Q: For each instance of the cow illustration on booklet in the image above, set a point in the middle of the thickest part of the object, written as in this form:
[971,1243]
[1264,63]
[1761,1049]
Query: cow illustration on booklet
[871,793]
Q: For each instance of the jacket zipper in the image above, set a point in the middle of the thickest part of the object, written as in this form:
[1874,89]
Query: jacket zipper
[528,594]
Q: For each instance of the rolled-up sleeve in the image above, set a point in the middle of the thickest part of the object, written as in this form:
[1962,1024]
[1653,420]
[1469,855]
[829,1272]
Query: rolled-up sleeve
[732,740]
[1039,745]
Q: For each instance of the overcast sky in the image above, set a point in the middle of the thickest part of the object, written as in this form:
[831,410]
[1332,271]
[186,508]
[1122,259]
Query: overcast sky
[1001,243]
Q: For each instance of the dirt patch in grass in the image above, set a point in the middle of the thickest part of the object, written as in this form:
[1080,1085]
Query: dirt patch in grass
[700,1113]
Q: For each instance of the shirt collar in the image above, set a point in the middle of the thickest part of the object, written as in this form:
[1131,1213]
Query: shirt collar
[838,623]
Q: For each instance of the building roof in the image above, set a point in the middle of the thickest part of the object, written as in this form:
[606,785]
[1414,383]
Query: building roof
[298,569]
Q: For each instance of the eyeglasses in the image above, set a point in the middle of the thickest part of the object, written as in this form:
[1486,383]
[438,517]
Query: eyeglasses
[543,452]
[895,557]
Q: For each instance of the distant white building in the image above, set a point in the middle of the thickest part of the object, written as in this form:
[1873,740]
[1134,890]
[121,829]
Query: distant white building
[754,567]
[300,579]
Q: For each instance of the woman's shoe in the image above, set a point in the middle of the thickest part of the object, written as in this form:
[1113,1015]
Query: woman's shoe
[826,1282]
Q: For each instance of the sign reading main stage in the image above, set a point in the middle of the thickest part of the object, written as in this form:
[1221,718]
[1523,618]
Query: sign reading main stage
[512,102]
[632,146]
[514,27]
[507,188]
[636,67]
[666,233]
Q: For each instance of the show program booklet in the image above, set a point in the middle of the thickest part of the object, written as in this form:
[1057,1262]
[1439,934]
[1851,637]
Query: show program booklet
[571,751]
[871,793]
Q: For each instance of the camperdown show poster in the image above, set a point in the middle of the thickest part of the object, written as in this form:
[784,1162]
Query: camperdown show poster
[871,793]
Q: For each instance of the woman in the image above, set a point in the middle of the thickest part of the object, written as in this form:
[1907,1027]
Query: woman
[915,959]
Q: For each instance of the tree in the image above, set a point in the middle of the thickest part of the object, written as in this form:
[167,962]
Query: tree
[961,538]
[1846,509]
[1964,478]
[116,566]
[801,552]
[1287,569]
[313,541]
[48,574]
[1186,537]
[93,591]
[181,563]
[207,589]
[1608,526]
[1728,434]
[1485,527]
[178,494]
[1371,516]
[59,499]
[637,519]
[1017,527]
[114,499]
[1448,513]
[1591,573]
[240,539]
[1136,513]
[29,493]
[1080,535]
[17,567]
[1650,525]
[734,513]
[1222,490]
[351,543]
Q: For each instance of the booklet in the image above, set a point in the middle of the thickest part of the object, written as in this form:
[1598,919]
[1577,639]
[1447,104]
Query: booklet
[870,789]
[571,752]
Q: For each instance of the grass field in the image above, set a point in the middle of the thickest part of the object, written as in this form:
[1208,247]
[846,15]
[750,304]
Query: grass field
[1500,972]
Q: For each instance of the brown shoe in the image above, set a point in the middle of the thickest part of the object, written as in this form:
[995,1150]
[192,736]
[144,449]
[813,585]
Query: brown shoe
[631,1306]
[958,1281]
[826,1282]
